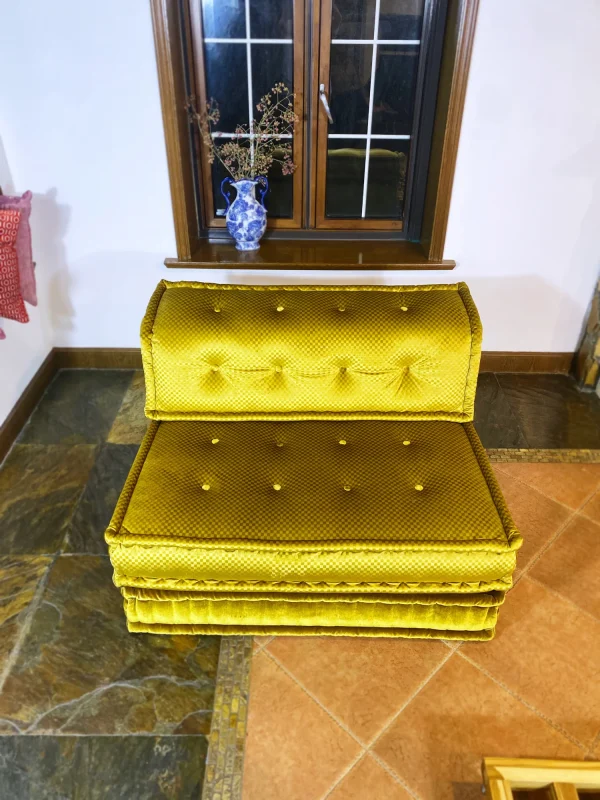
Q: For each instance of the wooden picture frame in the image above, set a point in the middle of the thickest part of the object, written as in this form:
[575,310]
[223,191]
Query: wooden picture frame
[561,778]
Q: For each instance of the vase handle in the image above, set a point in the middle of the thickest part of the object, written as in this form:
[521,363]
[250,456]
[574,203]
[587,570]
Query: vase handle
[225,194]
[263,189]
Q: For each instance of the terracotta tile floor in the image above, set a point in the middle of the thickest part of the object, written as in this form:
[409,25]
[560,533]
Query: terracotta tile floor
[366,719]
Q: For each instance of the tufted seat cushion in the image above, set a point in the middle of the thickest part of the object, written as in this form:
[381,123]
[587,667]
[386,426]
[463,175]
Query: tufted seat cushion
[408,507]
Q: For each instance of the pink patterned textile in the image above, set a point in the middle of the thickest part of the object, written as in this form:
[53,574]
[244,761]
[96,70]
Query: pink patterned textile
[23,245]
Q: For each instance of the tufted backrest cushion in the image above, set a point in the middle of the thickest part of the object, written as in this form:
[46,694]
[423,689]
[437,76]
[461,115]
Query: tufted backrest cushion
[215,351]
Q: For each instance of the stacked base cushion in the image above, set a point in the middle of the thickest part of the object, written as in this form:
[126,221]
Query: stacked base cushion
[352,527]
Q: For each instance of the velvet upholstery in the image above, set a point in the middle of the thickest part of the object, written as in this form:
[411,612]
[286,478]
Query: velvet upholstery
[311,352]
[312,467]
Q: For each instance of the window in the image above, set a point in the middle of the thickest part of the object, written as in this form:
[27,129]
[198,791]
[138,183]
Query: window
[242,48]
[379,89]
[370,64]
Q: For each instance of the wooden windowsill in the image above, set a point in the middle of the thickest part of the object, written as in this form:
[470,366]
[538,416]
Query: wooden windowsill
[303,254]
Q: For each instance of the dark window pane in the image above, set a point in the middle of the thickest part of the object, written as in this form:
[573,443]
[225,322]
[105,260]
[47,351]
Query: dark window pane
[280,197]
[224,19]
[352,19]
[400,19]
[395,84]
[387,178]
[271,19]
[345,177]
[350,79]
[218,173]
[227,83]
[271,63]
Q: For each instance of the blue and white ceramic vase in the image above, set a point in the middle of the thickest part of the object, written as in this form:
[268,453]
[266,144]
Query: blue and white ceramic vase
[246,217]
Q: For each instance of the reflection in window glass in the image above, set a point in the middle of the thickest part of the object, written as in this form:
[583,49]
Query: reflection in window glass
[271,19]
[395,87]
[400,19]
[352,19]
[345,178]
[350,81]
[386,182]
[223,19]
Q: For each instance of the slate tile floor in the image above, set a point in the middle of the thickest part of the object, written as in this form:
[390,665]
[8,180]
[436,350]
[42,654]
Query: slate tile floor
[89,711]
[86,709]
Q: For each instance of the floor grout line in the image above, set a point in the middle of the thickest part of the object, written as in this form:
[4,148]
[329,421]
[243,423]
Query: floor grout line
[544,549]
[524,702]
[409,699]
[394,775]
[563,597]
[315,698]
[539,491]
[580,510]
[345,772]
[27,622]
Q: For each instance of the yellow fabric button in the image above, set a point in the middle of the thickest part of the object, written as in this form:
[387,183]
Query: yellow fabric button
[403,308]
[279,308]
[347,488]
[342,441]
[406,441]
[341,308]
[276,486]
[214,441]
[277,369]
[217,310]
[206,486]
[418,487]
[279,444]
[215,369]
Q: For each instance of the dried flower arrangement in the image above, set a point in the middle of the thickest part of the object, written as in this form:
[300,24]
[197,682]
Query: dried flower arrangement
[257,146]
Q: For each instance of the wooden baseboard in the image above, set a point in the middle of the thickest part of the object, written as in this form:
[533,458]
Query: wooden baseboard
[11,427]
[131,358]
[526,362]
[98,357]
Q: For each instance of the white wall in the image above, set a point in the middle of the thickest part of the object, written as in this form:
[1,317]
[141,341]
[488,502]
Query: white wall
[81,127]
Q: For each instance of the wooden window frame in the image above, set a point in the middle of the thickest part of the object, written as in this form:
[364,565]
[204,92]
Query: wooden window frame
[561,778]
[194,247]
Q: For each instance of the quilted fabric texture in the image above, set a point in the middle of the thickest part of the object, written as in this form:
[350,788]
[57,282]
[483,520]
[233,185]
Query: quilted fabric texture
[312,467]
[11,302]
[313,501]
[298,352]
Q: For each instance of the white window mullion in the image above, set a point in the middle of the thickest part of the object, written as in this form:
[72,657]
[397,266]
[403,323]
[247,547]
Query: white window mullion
[370,117]
[249,66]
[375,41]
[221,40]
[364,136]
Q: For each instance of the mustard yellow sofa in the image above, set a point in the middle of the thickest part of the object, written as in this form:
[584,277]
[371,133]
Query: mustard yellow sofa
[312,467]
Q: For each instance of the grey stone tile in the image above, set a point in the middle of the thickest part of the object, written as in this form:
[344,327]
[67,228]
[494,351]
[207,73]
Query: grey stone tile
[79,406]
[39,488]
[79,671]
[102,768]
[95,507]
[495,421]
[552,412]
